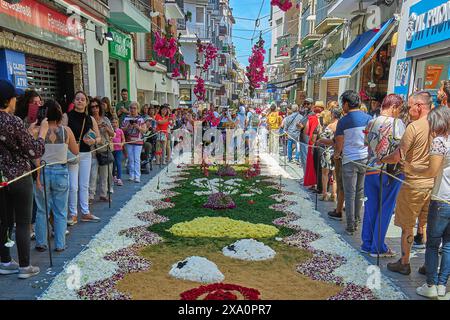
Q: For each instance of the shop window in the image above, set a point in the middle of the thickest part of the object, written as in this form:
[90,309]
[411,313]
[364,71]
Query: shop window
[430,73]
[200,15]
[375,74]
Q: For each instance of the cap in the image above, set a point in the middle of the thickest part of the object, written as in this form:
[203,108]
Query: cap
[309,100]
[8,91]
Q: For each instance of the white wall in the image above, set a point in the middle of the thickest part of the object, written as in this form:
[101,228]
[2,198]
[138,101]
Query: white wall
[92,45]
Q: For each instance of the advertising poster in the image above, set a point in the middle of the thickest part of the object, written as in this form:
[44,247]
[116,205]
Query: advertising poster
[402,77]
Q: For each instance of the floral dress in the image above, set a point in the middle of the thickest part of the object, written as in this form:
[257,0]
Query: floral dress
[326,160]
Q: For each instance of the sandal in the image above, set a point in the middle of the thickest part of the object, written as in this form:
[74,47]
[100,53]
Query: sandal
[388,254]
[41,248]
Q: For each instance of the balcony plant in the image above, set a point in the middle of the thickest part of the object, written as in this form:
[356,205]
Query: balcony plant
[188,16]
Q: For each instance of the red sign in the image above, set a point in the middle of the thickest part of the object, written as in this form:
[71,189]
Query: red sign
[38,15]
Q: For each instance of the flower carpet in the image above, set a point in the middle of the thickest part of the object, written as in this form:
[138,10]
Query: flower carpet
[166,243]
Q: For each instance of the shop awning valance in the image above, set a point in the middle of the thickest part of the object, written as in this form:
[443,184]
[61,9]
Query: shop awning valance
[349,60]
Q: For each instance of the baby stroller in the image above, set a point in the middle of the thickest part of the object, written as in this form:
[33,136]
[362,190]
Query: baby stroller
[148,152]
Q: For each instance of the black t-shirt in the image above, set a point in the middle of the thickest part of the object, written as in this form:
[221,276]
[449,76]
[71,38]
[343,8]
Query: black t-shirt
[76,123]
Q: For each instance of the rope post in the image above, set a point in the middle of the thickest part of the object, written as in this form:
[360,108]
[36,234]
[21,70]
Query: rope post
[285,151]
[109,179]
[44,164]
[380,212]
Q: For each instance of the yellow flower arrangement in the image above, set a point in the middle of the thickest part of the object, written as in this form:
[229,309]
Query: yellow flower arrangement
[221,227]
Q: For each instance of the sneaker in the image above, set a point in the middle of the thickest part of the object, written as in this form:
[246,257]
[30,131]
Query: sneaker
[364,251]
[441,291]
[427,291]
[350,231]
[130,178]
[404,269]
[137,180]
[335,215]
[423,270]
[9,268]
[388,254]
[59,249]
[89,218]
[28,272]
[115,179]
[418,242]
[73,220]
[42,248]
[119,183]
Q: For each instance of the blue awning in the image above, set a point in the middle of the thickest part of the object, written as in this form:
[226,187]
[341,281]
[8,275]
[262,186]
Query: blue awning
[347,62]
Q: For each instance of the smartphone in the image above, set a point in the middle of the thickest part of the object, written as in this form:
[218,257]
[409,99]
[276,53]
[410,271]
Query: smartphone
[41,115]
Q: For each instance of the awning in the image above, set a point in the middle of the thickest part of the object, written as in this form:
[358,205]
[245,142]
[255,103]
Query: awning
[349,60]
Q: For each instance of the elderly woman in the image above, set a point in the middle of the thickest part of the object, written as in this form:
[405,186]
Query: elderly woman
[134,128]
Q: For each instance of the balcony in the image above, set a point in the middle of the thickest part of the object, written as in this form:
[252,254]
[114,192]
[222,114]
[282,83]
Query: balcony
[297,64]
[344,8]
[174,9]
[324,22]
[192,31]
[130,15]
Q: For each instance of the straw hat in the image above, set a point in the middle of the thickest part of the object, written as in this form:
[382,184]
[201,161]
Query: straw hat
[319,104]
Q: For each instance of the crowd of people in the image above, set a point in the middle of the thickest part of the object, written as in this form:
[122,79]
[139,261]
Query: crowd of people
[391,159]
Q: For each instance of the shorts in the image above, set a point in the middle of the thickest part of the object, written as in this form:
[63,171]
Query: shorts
[338,172]
[412,204]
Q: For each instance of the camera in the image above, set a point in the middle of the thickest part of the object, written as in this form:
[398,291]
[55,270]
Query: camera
[41,115]
[132,122]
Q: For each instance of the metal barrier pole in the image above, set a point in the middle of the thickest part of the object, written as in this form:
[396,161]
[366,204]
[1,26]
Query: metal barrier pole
[46,212]
[380,212]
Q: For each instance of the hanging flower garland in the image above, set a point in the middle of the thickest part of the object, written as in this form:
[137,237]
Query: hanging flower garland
[166,46]
[284,5]
[199,89]
[210,55]
[255,70]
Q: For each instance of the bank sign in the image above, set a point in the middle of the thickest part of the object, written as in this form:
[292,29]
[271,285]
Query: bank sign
[120,47]
[13,68]
[429,23]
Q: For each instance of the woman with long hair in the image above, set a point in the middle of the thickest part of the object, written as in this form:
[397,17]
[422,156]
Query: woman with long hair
[17,149]
[28,106]
[383,137]
[98,170]
[108,110]
[58,141]
[87,134]
[134,128]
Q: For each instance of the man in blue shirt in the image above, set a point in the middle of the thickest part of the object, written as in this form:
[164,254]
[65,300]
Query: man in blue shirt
[350,136]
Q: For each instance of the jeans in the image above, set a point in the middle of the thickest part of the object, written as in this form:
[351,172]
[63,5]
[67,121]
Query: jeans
[16,206]
[353,175]
[371,226]
[304,153]
[118,155]
[289,149]
[100,174]
[57,187]
[438,230]
[134,160]
[79,175]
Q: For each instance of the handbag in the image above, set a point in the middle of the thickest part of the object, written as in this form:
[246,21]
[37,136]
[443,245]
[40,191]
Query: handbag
[394,169]
[71,158]
[104,158]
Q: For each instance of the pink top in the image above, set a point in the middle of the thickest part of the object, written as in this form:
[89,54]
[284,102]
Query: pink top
[118,138]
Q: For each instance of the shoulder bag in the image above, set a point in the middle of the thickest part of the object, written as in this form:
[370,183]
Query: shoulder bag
[71,158]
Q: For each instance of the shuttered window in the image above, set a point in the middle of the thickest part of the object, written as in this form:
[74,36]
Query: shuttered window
[332,90]
[43,76]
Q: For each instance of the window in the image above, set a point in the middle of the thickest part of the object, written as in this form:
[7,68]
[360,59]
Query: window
[200,15]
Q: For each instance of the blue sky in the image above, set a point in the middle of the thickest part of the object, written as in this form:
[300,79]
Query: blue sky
[244,28]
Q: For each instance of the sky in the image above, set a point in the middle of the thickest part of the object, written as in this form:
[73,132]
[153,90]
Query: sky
[249,9]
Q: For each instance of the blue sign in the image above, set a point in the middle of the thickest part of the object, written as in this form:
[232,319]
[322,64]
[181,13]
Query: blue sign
[402,77]
[13,68]
[429,23]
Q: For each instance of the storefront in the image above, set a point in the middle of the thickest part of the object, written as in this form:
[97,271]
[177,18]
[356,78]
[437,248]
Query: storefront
[120,50]
[422,60]
[40,50]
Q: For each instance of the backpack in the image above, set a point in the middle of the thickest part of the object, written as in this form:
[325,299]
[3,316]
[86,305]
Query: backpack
[272,120]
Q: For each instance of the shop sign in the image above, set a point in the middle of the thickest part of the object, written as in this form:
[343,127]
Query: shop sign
[13,68]
[402,77]
[185,95]
[429,23]
[32,18]
[120,47]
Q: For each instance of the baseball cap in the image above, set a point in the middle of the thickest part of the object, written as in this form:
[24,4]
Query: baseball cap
[309,100]
[8,91]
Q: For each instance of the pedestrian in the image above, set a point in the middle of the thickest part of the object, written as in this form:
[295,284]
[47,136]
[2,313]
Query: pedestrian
[444,94]
[291,129]
[414,197]
[439,213]
[58,141]
[383,137]
[323,118]
[304,138]
[28,106]
[350,146]
[162,125]
[17,149]
[118,144]
[86,131]
[310,178]
[108,110]
[101,168]
[134,127]
[326,142]
[273,125]
[123,107]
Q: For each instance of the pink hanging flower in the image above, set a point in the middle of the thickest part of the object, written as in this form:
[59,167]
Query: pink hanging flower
[176,73]
[255,70]
[284,5]
[199,89]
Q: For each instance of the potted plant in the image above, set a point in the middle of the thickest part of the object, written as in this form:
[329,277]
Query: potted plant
[188,16]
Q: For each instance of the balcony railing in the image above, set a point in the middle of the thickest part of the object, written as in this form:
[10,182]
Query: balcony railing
[142,6]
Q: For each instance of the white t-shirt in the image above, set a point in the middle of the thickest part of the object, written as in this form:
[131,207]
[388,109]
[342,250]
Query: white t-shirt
[441,147]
